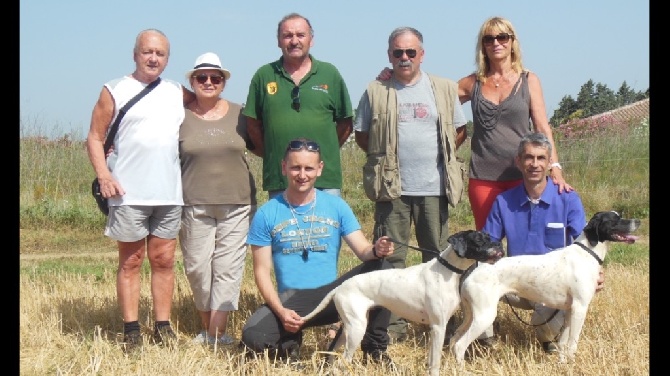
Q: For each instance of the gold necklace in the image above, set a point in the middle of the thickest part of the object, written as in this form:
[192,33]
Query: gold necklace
[295,214]
[502,79]
[496,82]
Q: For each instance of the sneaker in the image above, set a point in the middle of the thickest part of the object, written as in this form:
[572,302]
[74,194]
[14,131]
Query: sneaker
[550,347]
[201,338]
[224,340]
[379,357]
[397,331]
[131,340]
[165,335]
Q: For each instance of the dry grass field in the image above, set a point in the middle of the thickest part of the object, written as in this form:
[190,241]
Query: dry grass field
[70,325]
[70,322]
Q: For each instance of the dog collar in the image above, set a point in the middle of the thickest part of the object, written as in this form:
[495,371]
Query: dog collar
[449,266]
[587,249]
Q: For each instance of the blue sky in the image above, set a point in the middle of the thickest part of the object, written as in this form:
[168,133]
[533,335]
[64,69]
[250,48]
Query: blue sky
[69,49]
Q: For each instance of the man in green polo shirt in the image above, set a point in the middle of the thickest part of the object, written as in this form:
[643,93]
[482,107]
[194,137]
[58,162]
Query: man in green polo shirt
[298,96]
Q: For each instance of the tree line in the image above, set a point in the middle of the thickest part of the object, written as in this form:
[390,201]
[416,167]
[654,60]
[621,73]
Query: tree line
[592,99]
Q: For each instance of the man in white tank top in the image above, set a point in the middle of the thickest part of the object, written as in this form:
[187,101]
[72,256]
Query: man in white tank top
[142,180]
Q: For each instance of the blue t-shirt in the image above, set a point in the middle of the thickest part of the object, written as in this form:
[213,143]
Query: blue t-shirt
[535,229]
[319,229]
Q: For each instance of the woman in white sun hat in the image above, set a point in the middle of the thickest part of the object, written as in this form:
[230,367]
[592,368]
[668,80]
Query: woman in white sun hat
[219,198]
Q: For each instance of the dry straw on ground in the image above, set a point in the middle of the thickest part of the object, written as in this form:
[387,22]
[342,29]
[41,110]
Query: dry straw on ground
[70,325]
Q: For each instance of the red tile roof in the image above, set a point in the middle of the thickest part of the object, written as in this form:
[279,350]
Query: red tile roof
[634,111]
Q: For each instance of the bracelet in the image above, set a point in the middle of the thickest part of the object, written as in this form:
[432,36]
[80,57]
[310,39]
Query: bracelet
[374,252]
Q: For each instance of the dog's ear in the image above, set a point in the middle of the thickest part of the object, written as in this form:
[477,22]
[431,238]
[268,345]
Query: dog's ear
[457,241]
[591,229]
[599,226]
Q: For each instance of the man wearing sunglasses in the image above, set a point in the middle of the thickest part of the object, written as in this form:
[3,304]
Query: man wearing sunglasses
[411,171]
[298,96]
[298,235]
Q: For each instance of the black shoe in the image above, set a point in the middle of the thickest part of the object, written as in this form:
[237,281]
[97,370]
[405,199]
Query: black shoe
[488,342]
[550,347]
[131,340]
[165,335]
[481,346]
[293,358]
[379,357]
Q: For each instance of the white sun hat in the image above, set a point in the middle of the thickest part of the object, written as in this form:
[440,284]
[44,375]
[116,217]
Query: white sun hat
[208,60]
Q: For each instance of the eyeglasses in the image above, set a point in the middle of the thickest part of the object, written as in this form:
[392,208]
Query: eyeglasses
[296,145]
[501,38]
[411,53]
[202,78]
[295,96]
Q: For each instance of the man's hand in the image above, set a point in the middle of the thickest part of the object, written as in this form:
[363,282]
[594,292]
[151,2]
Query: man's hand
[291,321]
[601,280]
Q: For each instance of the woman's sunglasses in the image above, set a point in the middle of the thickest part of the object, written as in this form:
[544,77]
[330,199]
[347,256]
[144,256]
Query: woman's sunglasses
[501,38]
[214,79]
[411,53]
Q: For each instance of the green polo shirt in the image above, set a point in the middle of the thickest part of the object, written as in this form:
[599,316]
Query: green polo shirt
[324,98]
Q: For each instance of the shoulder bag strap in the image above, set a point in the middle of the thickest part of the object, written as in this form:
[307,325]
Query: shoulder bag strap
[115,126]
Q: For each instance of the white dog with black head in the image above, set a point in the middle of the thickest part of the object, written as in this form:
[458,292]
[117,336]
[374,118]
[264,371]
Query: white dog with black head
[563,279]
[426,293]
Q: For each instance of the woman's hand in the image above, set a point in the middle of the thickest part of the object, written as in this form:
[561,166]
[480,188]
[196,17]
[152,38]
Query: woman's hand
[557,177]
[385,74]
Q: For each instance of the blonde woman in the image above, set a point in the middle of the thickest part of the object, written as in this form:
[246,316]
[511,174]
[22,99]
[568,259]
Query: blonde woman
[507,104]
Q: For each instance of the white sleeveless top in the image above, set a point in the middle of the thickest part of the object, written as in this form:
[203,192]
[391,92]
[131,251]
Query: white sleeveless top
[145,160]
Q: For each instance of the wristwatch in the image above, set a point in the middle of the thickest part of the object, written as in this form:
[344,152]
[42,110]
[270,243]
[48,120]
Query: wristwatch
[555,164]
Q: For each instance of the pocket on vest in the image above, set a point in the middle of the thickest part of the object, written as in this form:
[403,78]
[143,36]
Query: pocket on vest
[456,175]
[381,179]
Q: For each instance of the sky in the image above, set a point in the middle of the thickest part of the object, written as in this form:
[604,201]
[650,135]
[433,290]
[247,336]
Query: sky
[69,49]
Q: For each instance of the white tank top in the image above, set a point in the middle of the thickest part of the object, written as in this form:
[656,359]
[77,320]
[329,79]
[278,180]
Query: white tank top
[145,160]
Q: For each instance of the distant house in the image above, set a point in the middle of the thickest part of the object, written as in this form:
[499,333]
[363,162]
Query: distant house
[629,113]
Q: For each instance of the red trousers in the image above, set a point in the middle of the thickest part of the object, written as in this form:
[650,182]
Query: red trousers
[482,193]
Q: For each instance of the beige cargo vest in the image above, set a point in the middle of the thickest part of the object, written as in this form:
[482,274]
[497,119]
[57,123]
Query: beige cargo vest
[381,176]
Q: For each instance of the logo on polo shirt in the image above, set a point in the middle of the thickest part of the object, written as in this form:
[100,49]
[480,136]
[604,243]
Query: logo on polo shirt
[272,88]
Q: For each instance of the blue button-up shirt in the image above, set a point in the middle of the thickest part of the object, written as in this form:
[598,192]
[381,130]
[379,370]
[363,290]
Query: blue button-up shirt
[534,229]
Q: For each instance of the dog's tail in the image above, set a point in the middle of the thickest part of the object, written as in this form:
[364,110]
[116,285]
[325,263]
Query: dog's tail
[321,305]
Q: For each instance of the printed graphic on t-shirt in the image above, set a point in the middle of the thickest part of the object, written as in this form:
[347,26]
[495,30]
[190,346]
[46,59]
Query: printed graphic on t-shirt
[295,237]
[414,112]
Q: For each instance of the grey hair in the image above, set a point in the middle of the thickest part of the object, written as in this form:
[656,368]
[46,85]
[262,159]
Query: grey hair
[404,30]
[536,139]
[136,49]
[291,16]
